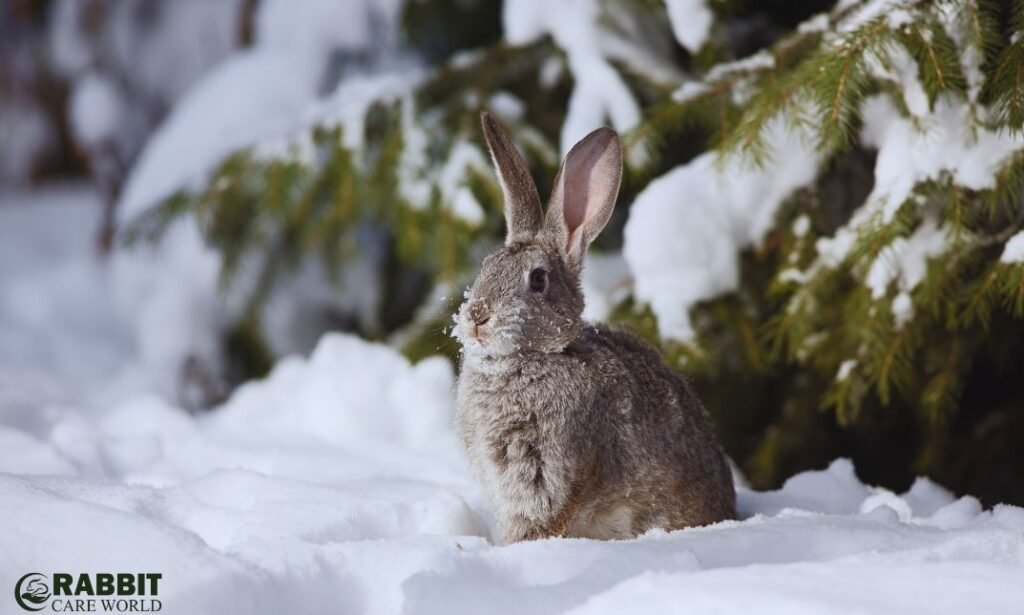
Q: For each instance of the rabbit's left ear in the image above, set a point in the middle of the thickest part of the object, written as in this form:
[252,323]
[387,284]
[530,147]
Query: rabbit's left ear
[584,193]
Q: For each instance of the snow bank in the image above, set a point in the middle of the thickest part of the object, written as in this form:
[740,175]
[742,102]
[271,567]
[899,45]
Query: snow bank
[308,491]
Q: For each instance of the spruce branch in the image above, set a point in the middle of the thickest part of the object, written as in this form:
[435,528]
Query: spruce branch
[1005,87]
[981,299]
[937,58]
[939,396]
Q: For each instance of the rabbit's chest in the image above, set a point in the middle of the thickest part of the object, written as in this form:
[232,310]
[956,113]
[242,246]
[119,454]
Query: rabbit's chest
[518,440]
[514,426]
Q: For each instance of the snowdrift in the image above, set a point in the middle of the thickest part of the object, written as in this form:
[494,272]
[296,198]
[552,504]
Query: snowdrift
[336,485]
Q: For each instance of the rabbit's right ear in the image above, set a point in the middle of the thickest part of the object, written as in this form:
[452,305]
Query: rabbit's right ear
[522,203]
[584,194]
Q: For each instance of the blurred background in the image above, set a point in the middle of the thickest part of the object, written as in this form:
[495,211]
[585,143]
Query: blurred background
[819,222]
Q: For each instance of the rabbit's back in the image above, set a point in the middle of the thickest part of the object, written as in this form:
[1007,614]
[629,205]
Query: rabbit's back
[663,452]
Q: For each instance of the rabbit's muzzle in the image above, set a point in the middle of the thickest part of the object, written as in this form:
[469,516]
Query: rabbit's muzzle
[479,316]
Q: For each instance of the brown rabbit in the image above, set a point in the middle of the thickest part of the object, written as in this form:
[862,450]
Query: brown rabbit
[574,429]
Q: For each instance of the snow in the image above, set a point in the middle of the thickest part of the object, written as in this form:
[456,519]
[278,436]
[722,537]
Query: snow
[864,11]
[687,227]
[801,225]
[599,94]
[348,103]
[323,24]
[126,63]
[605,282]
[463,159]
[944,141]
[906,260]
[818,23]
[506,106]
[124,324]
[900,68]
[909,152]
[263,94]
[159,50]
[70,51]
[690,21]
[902,308]
[251,96]
[266,97]
[948,142]
[178,43]
[845,369]
[1013,251]
[53,299]
[762,60]
[971,56]
[300,504]
[94,109]
[690,90]
[336,484]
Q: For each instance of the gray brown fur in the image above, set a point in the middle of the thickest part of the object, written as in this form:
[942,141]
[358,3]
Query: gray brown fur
[574,429]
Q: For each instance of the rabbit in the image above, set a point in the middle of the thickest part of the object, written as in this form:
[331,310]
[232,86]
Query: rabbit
[574,429]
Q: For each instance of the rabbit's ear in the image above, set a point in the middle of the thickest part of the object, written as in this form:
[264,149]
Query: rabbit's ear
[584,194]
[522,203]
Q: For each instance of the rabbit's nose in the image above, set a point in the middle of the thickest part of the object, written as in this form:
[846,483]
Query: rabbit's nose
[479,314]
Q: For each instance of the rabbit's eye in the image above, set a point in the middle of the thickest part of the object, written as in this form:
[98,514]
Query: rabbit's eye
[538,280]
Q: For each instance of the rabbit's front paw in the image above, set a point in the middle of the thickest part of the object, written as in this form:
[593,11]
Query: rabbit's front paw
[521,529]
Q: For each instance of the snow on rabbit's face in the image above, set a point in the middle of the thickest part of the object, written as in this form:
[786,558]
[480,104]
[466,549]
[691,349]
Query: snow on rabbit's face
[525,298]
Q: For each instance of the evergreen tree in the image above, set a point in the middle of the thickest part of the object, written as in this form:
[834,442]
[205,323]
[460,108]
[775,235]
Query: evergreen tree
[861,163]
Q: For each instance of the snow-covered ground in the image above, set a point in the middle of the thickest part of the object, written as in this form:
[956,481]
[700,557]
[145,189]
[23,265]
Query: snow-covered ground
[336,486]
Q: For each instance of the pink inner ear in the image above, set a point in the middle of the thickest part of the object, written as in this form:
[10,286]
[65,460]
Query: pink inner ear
[586,190]
[580,182]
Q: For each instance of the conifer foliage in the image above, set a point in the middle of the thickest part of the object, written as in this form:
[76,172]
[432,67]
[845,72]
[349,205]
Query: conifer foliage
[823,224]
